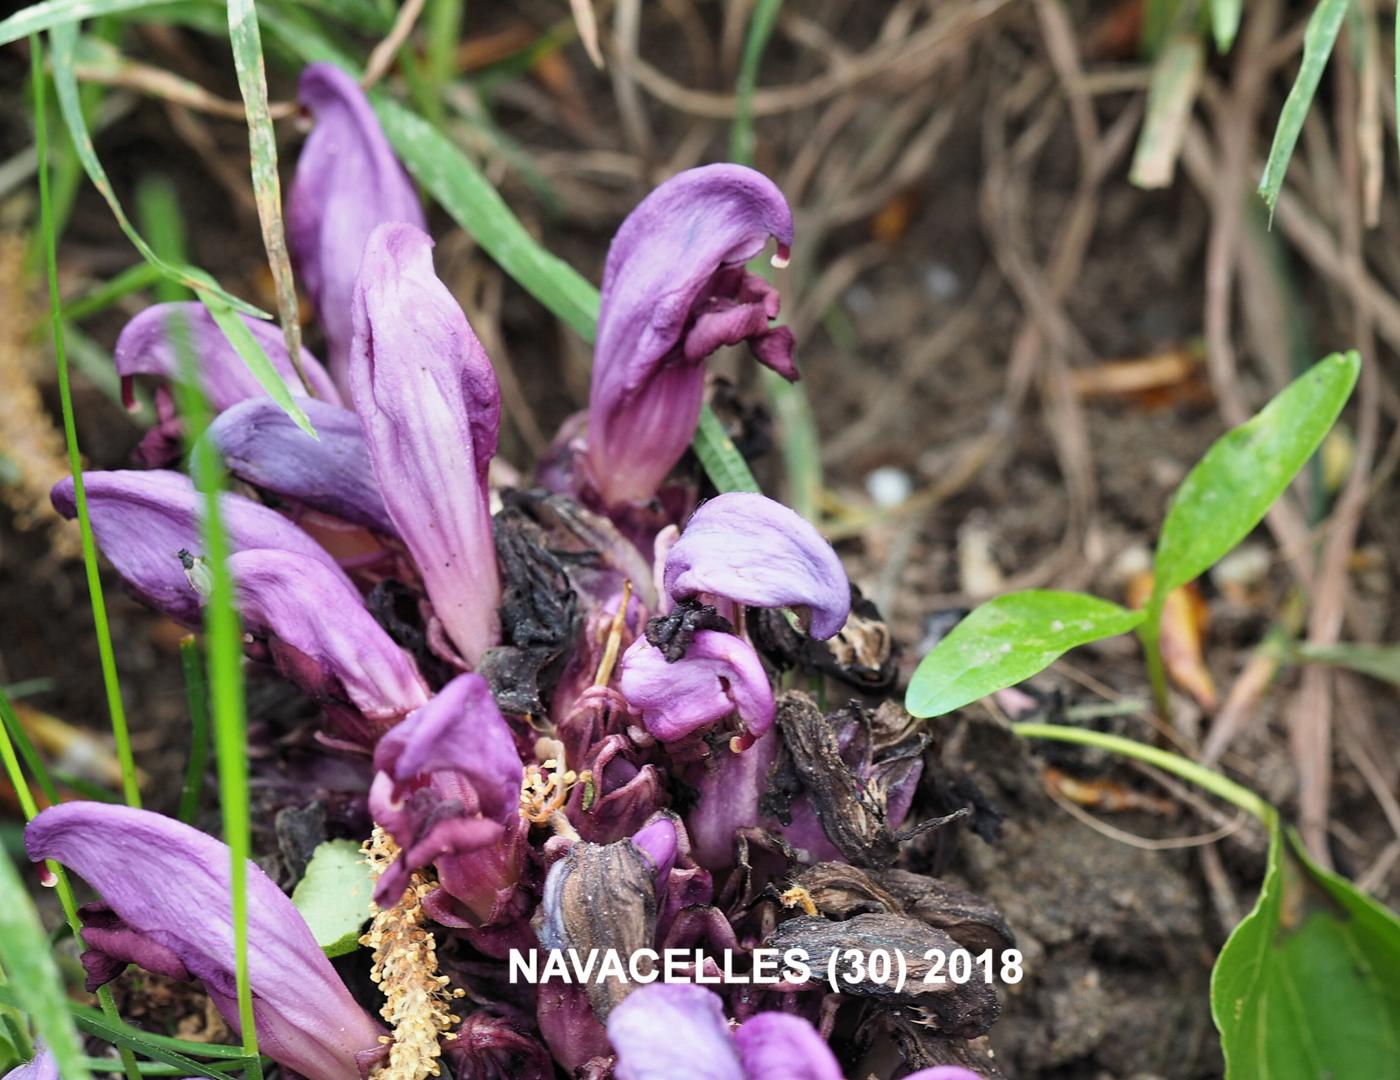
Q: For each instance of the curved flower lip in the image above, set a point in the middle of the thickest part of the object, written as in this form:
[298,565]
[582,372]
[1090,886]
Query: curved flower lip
[262,445]
[751,550]
[674,290]
[664,1030]
[168,886]
[146,346]
[719,675]
[347,182]
[306,607]
[428,399]
[143,520]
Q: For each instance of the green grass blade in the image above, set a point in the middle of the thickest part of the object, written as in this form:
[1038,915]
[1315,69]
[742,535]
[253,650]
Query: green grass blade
[197,698]
[1225,22]
[1176,79]
[133,279]
[32,761]
[39,17]
[248,349]
[110,681]
[158,211]
[761,23]
[721,459]
[1320,37]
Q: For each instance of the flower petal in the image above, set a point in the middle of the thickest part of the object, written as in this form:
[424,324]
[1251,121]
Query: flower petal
[143,520]
[347,182]
[674,290]
[778,1046]
[730,788]
[41,1066]
[665,1030]
[428,399]
[261,444]
[170,883]
[751,550]
[719,675]
[945,1072]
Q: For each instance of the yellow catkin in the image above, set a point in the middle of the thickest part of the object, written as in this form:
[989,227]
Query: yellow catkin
[417,1000]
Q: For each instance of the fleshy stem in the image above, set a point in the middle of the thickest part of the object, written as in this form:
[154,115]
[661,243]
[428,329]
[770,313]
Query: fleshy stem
[1200,775]
[1150,634]
[107,657]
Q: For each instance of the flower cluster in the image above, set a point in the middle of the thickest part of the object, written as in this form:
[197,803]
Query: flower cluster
[558,699]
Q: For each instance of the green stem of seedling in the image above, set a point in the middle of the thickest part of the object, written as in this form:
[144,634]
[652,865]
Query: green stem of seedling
[197,700]
[1150,634]
[1209,779]
[115,708]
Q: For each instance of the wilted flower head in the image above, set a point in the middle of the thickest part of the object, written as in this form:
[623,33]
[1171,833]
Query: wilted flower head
[347,183]
[674,290]
[431,410]
[165,906]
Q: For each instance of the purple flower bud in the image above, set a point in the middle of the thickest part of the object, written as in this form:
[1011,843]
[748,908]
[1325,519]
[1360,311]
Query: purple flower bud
[719,676]
[620,795]
[347,182]
[751,550]
[144,520]
[150,345]
[262,445]
[324,638]
[490,1047]
[41,1066]
[779,1046]
[428,399]
[680,883]
[447,783]
[674,290]
[166,886]
[665,1030]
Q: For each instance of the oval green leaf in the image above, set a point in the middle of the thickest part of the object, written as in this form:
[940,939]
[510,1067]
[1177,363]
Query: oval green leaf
[334,896]
[1232,487]
[1009,639]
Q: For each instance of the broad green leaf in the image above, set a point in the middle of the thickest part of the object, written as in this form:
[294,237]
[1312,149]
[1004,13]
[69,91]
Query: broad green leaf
[51,13]
[1378,661]
[253,357]
[1318,40]
[1009,639]
[1308,985]
[1232,487]
[32,973]
[1225,22]
[333,897]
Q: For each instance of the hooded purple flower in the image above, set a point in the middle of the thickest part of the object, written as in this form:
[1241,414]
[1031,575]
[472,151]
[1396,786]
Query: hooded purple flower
[144,520]
[262,445]
[323,638]
[347,183]
[431,411]
[748,549]
[666,1030]
[675,290]
[719,676]
[447,784]
[41,1066]
[165,892]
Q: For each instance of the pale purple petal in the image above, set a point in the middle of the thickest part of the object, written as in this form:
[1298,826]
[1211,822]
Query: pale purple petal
[170,883]
[674,290]
[720,675]
[667,1030]
[262,445]
[347,182]
[148,346]
[729,790]
[944,1072]
[777,1046]
[143,520]
[428,399]
[41,1066]
[751,550]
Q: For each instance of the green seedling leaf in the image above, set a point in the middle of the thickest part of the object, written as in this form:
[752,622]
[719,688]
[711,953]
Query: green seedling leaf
[1378,661]
[1225,22]
[334,896]
[1308,985]
[1318,40]
[1007,640]
[1232,487]
[30,970]
[51,13]
[1176,79]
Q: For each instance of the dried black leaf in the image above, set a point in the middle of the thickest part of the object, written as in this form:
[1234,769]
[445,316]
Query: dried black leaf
[971,921]
[399,610]
[300,830]
[841,891]
[922,1047]
[864,655]
[673,632]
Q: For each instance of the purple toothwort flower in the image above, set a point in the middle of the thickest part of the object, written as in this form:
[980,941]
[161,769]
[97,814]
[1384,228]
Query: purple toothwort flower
[674,290]
[143,521]
[347,183]
[666,1030]
[747,549]
[262,445]
[165,906]
[719,676]
[41,1066]
[431,410]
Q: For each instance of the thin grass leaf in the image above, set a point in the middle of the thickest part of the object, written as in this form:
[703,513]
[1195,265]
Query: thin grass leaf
[133,279]
[252,355]
[147,1042]
[761,23]
[1378,661]
[163,224]
[32,761]
[246,41]
[1225,22]
[723,463]
[51,13]
[151,1046]
[197,700]
[1176,79]
[1318,41]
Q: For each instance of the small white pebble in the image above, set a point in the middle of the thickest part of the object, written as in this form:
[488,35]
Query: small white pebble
[888,486]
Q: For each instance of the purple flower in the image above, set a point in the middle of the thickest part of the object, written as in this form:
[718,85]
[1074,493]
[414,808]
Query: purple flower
[144,520]
[491,1047]
[148,345]
[323,638]
[675,290]
[447,784]
[719,676]
[748,549]
[41,1066]
[165,892]
[944,1072]
[666,1030]
[347,183]
[431,409]
[262,445]
[729,788]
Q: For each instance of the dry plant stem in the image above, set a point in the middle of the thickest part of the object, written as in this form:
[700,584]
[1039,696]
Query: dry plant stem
[382,58]
[627,23]
[1144,843]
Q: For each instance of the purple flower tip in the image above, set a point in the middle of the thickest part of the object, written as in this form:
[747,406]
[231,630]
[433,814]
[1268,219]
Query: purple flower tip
[719,676]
